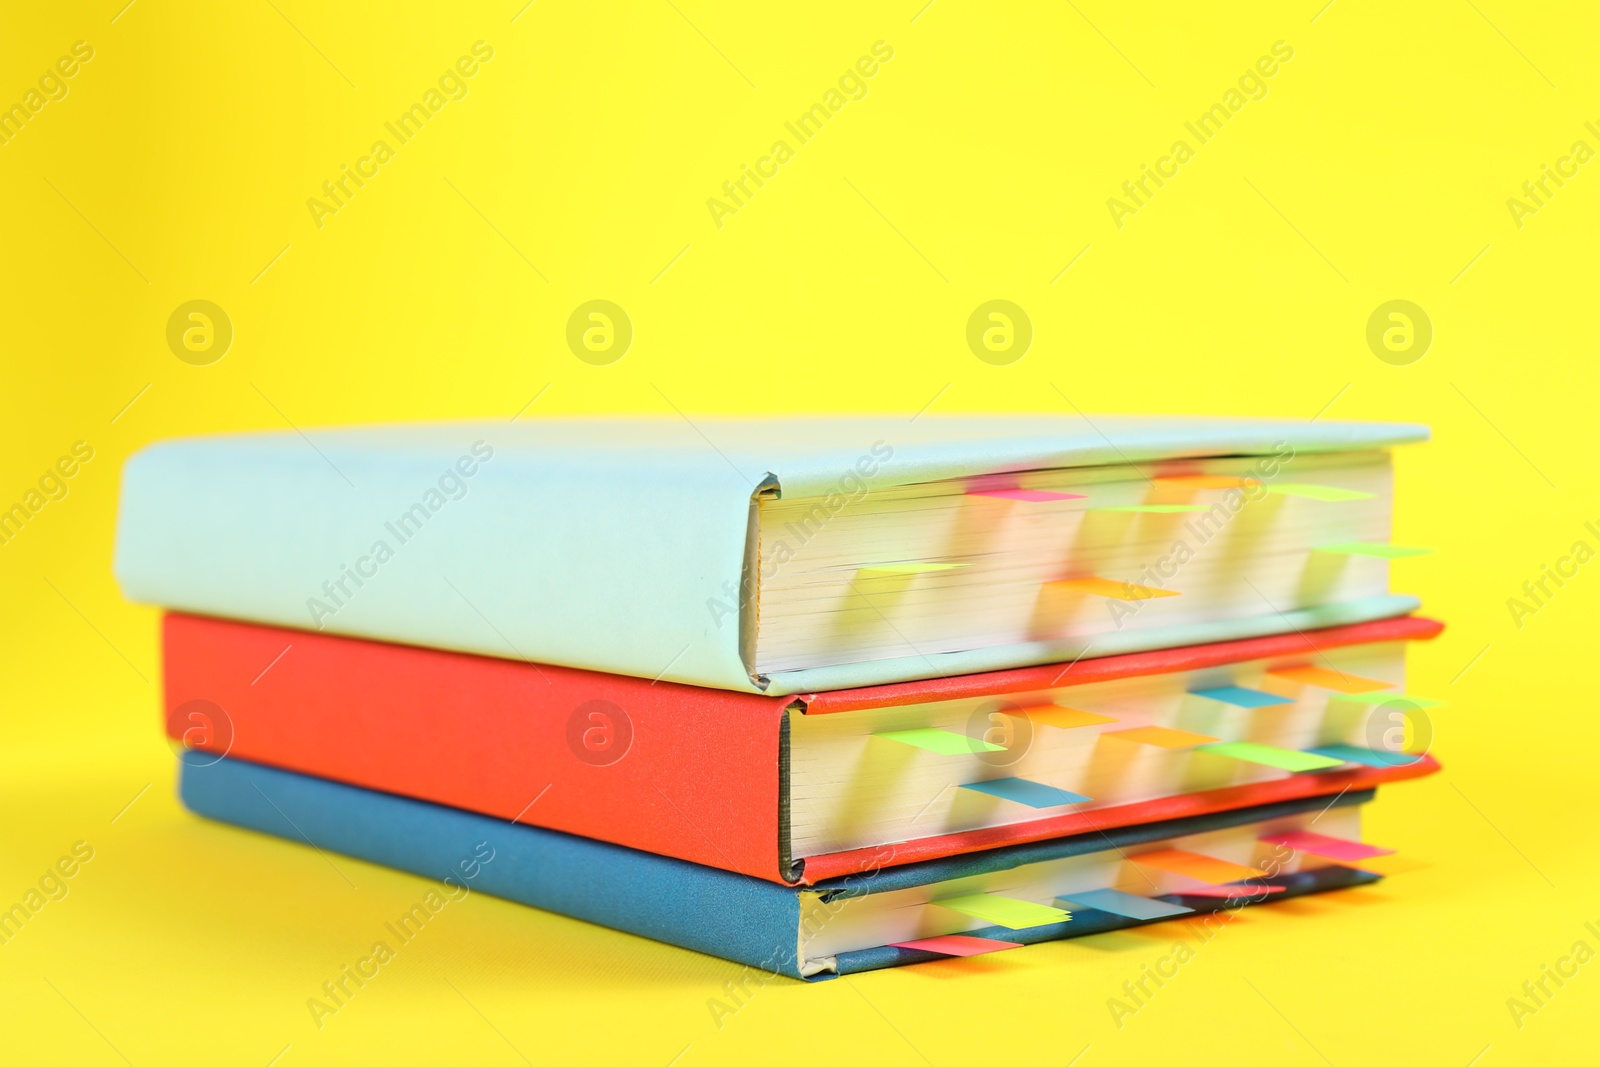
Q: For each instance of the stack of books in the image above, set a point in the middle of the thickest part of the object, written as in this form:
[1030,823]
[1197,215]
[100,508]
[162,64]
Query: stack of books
[818,696]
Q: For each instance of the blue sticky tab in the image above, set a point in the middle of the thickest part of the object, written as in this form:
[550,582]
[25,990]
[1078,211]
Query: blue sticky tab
[1241,697]
[1033,794]
[1116,902]
[1370,757]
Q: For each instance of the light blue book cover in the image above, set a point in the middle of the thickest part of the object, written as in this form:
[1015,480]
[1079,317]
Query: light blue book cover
[624,546]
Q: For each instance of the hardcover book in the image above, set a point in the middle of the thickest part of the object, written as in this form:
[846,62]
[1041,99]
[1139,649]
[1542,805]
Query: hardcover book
[884,916]
[776,556]
[810,787]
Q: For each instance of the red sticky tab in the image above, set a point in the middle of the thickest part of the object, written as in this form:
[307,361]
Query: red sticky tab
[958,945]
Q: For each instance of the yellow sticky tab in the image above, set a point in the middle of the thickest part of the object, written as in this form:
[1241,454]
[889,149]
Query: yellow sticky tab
[1107,588]
[1328,493]
[944,742]
[1005,911]
[1161,737]
[1204,481]
[1059,717]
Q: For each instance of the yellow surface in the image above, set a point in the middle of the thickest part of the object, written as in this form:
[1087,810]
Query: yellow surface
[978,167]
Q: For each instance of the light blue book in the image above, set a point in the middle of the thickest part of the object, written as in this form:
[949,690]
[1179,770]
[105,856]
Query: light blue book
[777,555]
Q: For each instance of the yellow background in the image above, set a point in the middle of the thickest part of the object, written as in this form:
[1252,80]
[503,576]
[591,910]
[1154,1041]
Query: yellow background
[977,167]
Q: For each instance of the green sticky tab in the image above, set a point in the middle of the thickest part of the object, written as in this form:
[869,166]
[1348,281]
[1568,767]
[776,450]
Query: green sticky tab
[1318,492]
[1401,700]
[944,742]
[1375,549]
[906,568]
[1288,759]
[1005,911]
[1156,509]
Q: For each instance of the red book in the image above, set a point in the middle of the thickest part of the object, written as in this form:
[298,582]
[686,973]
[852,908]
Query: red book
[801,788]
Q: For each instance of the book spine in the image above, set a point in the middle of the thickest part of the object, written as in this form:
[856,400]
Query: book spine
[729,915]
[672,769]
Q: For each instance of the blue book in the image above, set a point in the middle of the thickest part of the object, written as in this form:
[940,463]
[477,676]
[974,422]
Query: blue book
[779,555]
[1017,895]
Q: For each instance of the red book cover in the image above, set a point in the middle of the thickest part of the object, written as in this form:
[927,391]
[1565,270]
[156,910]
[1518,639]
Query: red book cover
[679,770]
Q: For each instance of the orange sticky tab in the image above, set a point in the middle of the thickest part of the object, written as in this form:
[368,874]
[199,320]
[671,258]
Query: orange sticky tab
[1205,481]
[1338,681]
[1108,588]
[1206,869]
[1059,717]
[1161,737]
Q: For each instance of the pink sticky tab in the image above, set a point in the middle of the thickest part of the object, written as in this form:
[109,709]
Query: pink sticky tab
[1333,848]
[1234,891]
[958,945]
[1032,495]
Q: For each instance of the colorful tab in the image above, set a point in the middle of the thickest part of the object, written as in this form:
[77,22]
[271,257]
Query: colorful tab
[1005,911]
[1127,905]
[1059,717]
[1232,891]
[1323,678]
[1155,509]
[1205,481]
[885,569]
[1288,759]
[957,945]
[1379,700]
[1332,848]
[1030,495]
[1375,549]
[1239,696]
[1107,588]
[1022,791]
[1160,737]
[1367,757]
[944,742]
[1330,493]
[1207,869]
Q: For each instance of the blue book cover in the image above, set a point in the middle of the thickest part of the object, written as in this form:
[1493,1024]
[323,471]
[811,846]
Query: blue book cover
[843,926]
[704,551]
